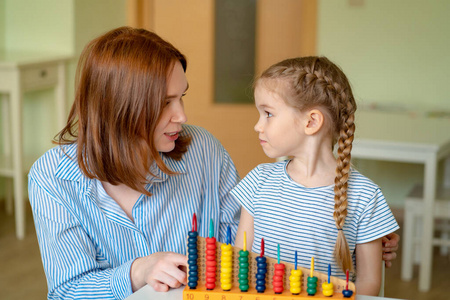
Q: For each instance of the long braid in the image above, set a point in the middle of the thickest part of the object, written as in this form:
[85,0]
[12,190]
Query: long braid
[317,82]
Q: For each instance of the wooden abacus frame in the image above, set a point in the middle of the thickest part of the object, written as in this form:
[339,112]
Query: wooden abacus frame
[200,292]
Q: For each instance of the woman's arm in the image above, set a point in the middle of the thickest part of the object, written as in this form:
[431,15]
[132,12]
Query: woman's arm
[245,225]
[368,268]
[390,246]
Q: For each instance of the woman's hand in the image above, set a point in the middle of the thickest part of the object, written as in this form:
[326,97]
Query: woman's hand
[390,246]
[161,270]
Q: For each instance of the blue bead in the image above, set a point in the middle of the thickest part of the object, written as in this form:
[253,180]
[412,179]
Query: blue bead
[192,233]
[347,293]
[261,271]
[193,257]
[193,267]
[260,276]
[260,288]
[193,273]
[261,259]
[261,282]
[192,251]
[261,265]
[192,284]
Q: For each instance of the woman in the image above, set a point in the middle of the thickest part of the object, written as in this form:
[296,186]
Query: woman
[113,202]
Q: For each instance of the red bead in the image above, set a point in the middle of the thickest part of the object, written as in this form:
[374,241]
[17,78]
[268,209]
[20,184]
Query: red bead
[211,269]
[211,279]
[210,286]
[211,263]
[211,252]
[278,289]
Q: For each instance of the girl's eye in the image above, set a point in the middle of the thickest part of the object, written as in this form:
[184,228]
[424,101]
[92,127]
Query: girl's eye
[268,114]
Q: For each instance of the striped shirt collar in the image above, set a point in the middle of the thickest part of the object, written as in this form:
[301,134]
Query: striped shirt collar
[68,168]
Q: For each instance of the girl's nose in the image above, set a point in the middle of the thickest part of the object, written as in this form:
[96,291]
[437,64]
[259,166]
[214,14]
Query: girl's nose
[258,126]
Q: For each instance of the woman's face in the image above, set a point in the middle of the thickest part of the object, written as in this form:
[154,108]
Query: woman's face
[172,116]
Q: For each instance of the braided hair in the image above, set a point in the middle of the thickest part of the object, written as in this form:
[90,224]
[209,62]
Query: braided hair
[316,82]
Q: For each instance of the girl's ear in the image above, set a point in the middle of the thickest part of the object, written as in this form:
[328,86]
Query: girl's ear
[315,121]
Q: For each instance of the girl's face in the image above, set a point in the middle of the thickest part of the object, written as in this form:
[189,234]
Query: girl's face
[172,115]
[279,125]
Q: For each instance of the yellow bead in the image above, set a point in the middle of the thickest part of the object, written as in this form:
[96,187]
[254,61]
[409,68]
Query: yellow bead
[226,271]
[327,293]
[297,272]
[327,286]
[295,290]
[226,287]
[291,278]
[295,284]
[225,280]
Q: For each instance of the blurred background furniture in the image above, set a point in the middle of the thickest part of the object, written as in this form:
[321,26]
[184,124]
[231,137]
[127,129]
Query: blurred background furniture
[414,138]
[413,225]
[20,73]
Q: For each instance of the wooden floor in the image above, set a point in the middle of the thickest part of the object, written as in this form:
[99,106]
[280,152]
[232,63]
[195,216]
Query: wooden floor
[22,276]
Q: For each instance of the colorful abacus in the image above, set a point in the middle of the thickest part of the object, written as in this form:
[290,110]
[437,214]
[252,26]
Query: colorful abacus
[260,271]
[192,255]
[211,262]
[347,293]
[278,274]
[327,287]
[243,267]
[295,279]
[312,281]
[226,263]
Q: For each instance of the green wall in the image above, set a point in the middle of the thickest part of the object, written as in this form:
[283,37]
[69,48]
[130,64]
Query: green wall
[396,54]
[2,23]
[56,26]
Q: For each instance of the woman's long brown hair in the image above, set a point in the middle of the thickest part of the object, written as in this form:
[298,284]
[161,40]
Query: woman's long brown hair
[317,82]
[120,92]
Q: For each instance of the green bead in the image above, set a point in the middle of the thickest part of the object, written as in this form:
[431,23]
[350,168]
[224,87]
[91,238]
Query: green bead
[243,259]
[244,287]
[243,281]
[243,270]
[243,276]
[243,253]
[243,265]
[312,279]
[311,285]
[311,291]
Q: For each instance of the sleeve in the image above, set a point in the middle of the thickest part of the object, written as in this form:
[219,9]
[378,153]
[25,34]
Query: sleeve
[376,220]
[230,209]
[245,191]
[68,254]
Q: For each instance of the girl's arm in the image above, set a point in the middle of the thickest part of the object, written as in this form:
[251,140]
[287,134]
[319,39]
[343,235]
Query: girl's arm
[368,268]
[245,224]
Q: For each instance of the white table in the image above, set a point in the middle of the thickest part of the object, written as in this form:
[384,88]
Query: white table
[21,72]
[147,293]
[412,138]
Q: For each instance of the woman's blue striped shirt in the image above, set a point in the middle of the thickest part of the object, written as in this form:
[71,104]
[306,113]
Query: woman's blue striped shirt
[88,243]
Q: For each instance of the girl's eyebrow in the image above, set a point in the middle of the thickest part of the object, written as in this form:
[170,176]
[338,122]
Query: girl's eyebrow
[175,96]
[265,106]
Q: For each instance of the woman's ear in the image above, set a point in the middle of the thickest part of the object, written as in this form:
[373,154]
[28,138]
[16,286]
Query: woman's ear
[315,120]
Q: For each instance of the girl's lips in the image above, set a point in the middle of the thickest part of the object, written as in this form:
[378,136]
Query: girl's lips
[262,142]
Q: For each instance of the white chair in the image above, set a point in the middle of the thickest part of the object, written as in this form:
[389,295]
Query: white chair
[412,227]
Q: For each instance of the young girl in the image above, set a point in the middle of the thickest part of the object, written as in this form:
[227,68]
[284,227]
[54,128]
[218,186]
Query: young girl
[313,203]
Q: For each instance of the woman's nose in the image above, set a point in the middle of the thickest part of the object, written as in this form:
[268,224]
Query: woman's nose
[179,115]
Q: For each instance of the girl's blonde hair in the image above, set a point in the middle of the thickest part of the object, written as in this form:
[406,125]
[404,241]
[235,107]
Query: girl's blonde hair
[316,82]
